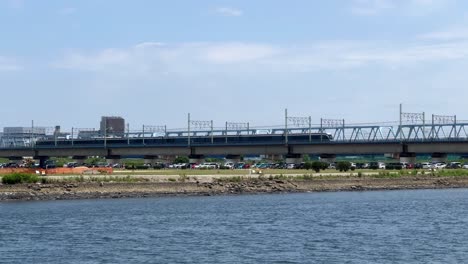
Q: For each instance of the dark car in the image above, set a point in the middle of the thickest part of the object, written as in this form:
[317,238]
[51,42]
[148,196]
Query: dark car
[394,166]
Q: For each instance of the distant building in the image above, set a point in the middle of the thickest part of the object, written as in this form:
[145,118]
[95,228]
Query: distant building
[112,125]
[21,136]
[87,134]
[24,130]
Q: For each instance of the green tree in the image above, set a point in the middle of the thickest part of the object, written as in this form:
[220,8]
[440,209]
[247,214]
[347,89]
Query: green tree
[181,159]
[343,166]
[316,166]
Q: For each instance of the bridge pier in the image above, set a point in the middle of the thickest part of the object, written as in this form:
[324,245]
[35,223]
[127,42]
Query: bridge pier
[233,158]
[329,158]
[113,159]
[293,158]
[167,158]
[80,160]
[274,157]
[42,161]
[152,160]
[439,157]
[16,160]
[196,159]
[408,157]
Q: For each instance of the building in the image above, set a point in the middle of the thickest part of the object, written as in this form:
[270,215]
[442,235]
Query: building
[21,136]
[112,126]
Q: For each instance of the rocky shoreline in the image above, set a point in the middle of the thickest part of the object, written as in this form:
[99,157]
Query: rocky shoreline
[97,190]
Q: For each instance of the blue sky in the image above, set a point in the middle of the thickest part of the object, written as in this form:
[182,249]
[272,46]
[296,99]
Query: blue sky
[152,62]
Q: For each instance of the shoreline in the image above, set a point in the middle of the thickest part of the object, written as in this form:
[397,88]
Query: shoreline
[228,186]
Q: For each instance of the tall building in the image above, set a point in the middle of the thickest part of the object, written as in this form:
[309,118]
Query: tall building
[112,125]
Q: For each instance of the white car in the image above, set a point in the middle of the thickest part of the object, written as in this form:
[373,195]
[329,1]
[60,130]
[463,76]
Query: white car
[381,165]
[426,165]
[208,166]
[439,165]
[229,165]
[465,166]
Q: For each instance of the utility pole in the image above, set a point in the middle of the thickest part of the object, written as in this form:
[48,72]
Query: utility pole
[31,135]
[286,126]
[399,127]
[188,130]
[128,133]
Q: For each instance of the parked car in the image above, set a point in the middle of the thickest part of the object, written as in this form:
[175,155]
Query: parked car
[454,165]
[71,165]
[376,165]
[229,165]
[439,165]
[394,166]
[426,165]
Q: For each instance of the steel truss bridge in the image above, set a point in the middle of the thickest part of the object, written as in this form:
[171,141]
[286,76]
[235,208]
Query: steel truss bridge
[411,127]
[339,134]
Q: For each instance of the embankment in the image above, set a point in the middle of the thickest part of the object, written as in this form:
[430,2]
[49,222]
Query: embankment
[130,187]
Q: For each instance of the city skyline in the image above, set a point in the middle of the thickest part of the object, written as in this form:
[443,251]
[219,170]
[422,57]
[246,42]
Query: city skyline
[69,63]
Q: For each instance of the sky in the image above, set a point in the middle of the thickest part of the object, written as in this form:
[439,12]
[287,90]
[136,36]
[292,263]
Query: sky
[68,63]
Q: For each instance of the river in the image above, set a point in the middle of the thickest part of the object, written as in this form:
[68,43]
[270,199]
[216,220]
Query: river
[410,226]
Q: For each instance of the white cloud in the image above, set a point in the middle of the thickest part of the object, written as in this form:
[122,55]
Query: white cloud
[229,11]
[371,7]
[7,64]
[16,4]
[153,58]
[237,52]
[403,7]
[458,33]
[67,11]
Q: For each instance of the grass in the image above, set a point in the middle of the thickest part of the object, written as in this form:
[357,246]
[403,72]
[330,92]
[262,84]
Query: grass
[230,179]
[456,172]
[127,176]
[15,178]
[126,179]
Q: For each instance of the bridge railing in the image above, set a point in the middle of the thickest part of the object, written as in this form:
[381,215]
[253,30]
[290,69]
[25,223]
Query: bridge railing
[349,133]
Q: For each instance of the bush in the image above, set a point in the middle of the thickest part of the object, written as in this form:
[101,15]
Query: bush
[181,159]
[15,178]
[343,166]
[316,166]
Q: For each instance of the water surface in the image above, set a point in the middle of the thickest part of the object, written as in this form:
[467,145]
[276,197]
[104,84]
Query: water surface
[417,226]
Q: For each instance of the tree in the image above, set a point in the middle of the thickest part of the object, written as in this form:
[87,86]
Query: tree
[316,166]
[319,165]
[343,166]
[181,159]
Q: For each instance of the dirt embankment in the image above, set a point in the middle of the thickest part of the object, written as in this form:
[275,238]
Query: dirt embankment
[92,190]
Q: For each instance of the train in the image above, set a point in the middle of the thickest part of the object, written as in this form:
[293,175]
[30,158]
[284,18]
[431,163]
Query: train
[194,140]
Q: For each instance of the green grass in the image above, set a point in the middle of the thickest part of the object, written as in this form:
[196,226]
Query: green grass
[456,172]
[15,178]
[126,179]
[230,179]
